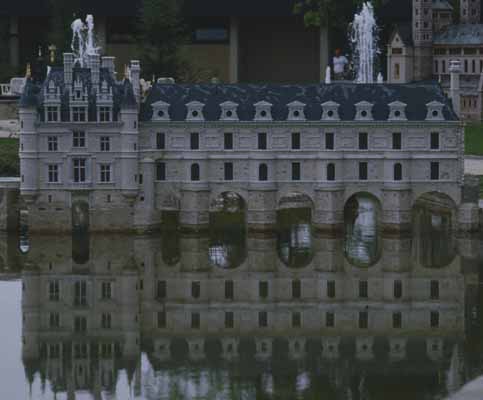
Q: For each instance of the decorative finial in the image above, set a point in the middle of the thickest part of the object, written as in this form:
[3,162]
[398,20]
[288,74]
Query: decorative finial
[28,72]
[126,71]
[52,49]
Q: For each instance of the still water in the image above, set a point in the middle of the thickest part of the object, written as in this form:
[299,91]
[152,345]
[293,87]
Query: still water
[228,314]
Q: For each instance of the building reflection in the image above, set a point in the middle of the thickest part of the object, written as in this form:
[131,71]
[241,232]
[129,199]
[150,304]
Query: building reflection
[181,325]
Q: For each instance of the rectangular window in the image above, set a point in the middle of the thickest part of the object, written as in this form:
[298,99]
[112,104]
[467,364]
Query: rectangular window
[262,141]
[397,289]
[363,141]
[263,289]
[363,289]
[434,145]
[396,320]
[195,320]
[296,171]
[54,320]
[229,320]
[329,141]
[105,173]
[228,168]
[363,171]
[160,140]
[161,319]
[434,171]
[194,141]
[160,171]
[262,319]
[330,289]
[363,319]
[52,143]
[329,319]
[296,141]
[80,324]
[105,143]
[434,319]
[52,114]
[53,172]
[296,319]
[195,290]
[296,289]
[396,141]
[79,169]
[228,141]
[104,114]
[79,139]
[54,291]
[80,293]
[78,114]
[161,290]
[106,321]
[229,290]
[434,290]
[106,290]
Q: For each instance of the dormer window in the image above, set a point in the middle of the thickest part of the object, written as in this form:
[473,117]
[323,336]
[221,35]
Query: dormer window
[435,111]
[52,114]
[263,111]
[296,111]
[397,111]
[160,111]
[104,114]
[330,111]
[229,111]
[195,111]
[363,111]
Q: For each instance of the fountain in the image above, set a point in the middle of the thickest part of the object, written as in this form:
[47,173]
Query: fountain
[83,40]
[364,42]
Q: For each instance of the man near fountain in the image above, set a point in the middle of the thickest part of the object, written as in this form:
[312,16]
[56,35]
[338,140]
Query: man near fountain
[340,63]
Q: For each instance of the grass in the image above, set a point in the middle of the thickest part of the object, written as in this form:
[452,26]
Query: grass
[9,162]
[474,139]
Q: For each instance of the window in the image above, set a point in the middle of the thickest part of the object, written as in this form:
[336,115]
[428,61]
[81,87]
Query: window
[229,320]
[106,321]
[161,319]
[160,141]
[53,172]
[52,114]
[78,114]
[195,172]
[436,65]
[140,179]
[263,289]
[262,141]
[104,114]
[296,141]
[194,141]
[363,289]
[229,290]
[296,319]
[363,171]
[434,145]
[397,172]
[434,319]
[160,171]
[397,289]
[79,139]
[397,70]
[331,289]
[161,290]
[195,320]
[52,143]
[363,319]
[363,141]
[106,290]
[396,320]
[434,290]
[54,287]
[228,168]
[80,293]
[262,172]
[195,290]
[80,324]
[80,351]
[105,143]
[105,173]
[228,141]
[296,289]
[54,320]
[329,141]
[434,171]
[329,319]
[396,141]
[295,171]
[262,319]
[331,172]
[443,66]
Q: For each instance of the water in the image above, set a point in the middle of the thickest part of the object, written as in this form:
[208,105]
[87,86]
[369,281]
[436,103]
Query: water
[229,314]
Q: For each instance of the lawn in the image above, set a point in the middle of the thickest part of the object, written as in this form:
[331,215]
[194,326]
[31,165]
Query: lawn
[9,162]
[474,139]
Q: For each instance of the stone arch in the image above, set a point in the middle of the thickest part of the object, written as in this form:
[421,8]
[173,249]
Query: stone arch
[295,199]
[225,193]
[362,229]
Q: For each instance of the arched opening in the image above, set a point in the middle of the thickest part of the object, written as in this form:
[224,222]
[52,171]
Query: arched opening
[433,221]
[294,230]
[80,216]
[362,243]
[195,172]
[331,172]
[262,172]
[170,238]
[398,172]
[227,242]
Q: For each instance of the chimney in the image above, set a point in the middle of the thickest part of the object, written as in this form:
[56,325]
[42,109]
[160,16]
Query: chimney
[68,65]
[454,89]
[135,77]
[94,61]
[108,62]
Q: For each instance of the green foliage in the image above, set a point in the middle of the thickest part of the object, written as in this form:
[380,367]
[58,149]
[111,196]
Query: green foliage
[474,139]
[9,160]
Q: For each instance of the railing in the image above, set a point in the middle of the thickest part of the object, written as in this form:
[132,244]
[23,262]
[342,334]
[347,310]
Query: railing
[5,89]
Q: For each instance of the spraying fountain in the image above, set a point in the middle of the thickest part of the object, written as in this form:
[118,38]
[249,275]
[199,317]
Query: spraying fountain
[83,40]
[364,41]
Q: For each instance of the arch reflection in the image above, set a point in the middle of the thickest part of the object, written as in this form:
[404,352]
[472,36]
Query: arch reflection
[170,238]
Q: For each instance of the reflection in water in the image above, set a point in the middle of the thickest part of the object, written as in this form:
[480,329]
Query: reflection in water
[170,238]
[126,327]
[295,237]
[362,234]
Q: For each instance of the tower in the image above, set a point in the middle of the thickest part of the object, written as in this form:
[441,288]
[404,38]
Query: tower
[470,11]
[422,38]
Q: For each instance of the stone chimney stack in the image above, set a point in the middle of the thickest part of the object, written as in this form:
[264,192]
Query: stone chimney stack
[108,62]
[94,61]
[135,78]
[454,90]
[68,66]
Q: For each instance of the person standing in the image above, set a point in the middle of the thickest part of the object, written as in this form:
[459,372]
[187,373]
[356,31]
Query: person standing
[340,62]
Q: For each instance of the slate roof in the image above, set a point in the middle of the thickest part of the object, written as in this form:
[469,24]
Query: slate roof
[464,34]
[405,32]
[347,94]
[123,93]
[442,5]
